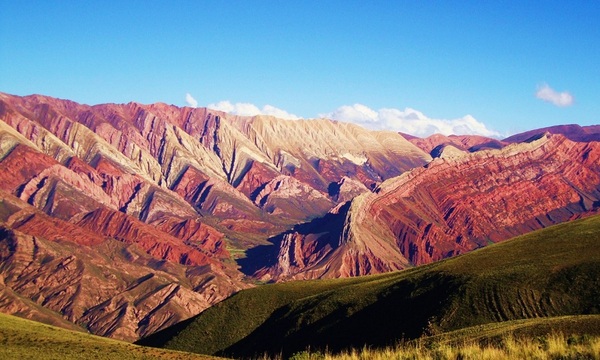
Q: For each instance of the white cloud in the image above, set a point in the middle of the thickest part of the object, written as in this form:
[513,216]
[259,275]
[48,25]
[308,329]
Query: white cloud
[279,113]
[247,109]
[548,94]
[408,121]
[357,113]
[190,100]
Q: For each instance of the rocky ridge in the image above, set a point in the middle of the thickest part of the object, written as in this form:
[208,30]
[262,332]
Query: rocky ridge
[449,207]
[166,146]
[120,218]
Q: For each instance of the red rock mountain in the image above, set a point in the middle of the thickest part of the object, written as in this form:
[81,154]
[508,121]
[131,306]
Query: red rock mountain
[122,219]
[446,208]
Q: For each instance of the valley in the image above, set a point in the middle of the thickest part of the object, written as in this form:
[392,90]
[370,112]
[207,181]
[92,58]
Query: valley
[129,220]
[528,286]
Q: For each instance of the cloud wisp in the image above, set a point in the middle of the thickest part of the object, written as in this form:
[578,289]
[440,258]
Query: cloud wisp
[548,94]
[408,121]
[189,99]
[248,109]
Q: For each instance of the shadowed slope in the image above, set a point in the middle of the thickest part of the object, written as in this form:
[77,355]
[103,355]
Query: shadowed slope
[449,207]
[551,272]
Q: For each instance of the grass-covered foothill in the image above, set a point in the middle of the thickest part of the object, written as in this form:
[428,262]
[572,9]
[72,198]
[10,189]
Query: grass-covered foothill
[564,337]
[550,273]
[25,339]
[549,346]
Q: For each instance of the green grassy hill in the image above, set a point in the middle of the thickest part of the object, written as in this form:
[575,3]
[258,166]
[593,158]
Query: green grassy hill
[25,339]
[549,273]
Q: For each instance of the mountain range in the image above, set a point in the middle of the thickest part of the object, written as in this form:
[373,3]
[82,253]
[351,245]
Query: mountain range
[125,219]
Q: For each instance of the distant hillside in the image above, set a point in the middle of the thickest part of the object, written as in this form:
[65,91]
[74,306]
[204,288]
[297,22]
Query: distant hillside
[573,132]
[468,143]
[25,339]
[548,273]
[448,207]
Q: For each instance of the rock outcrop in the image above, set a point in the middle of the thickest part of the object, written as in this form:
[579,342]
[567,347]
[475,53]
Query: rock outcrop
[449,207]
[111,289]
[284,195]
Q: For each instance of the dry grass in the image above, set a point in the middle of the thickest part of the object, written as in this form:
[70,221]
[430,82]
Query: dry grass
[25,339]
[553,346]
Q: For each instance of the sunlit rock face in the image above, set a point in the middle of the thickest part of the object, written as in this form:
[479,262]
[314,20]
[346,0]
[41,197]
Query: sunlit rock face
[451,206]
[120,218]
[197,151]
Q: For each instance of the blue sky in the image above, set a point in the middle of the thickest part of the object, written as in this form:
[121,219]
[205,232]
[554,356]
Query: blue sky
[405,65]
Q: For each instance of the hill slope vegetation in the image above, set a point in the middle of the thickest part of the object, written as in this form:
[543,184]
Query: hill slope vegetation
[549,273]
[25,339]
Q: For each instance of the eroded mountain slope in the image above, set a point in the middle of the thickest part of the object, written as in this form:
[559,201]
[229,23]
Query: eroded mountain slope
[168,198]
[123,219]
[238,155]
[449,207]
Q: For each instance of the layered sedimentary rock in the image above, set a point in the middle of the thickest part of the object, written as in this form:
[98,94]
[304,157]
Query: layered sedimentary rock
[181,148]
[122,219]
[301,148]
[284,195]
[119,218]
[449,207]
[111,289]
